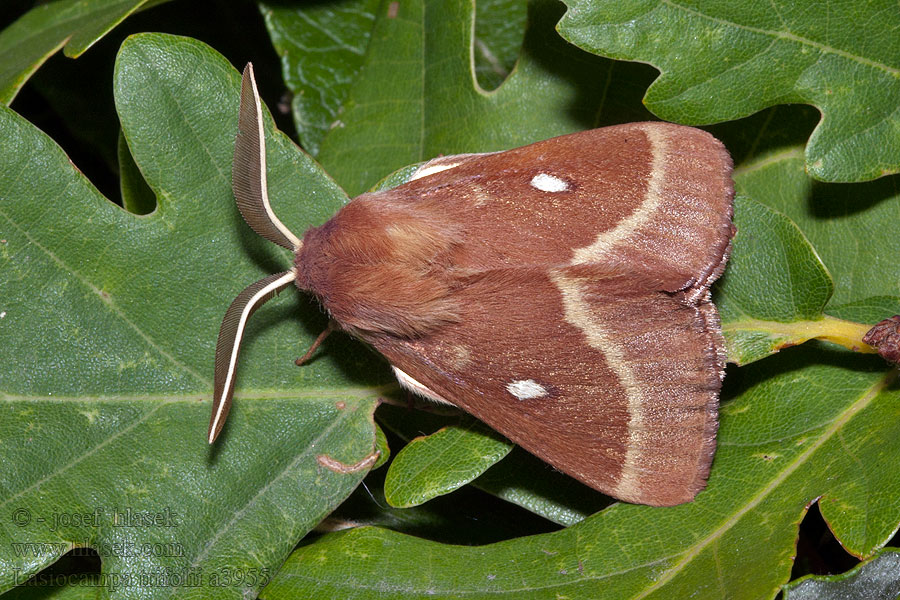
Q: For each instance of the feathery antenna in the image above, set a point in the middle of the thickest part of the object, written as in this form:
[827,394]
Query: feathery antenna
[248,171]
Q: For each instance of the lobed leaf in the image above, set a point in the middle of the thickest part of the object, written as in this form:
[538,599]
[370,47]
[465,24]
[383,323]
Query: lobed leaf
[324,50]
[107,337]
[720,61]
[74,25]
[848,225]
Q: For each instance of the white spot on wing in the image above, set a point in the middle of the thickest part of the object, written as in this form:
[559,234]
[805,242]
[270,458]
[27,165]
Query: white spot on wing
[414,386]
[549,183]
[526,389]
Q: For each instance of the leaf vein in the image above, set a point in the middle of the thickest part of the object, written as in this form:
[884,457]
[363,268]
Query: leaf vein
[108,301]
[787,35]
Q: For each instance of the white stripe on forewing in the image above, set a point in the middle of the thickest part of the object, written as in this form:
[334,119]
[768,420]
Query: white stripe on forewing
[414,386]
[579,313]
[239,334]
[432,167]
[606,241]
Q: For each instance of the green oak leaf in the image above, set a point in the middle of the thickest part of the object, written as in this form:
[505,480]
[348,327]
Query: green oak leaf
[857,283]
[867,310]
[850,226]
[439,463]
[73,25]
[414,96]
[775,287]
[525,480]
[820,426]
[324,49]
[721,60]
[107,333]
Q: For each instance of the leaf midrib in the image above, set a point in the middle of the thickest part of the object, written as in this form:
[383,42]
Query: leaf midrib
[253,394]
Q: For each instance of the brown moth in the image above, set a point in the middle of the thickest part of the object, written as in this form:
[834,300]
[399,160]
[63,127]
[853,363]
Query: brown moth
[559,292]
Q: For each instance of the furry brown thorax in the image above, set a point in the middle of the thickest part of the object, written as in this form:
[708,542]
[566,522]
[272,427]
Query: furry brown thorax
[379,267]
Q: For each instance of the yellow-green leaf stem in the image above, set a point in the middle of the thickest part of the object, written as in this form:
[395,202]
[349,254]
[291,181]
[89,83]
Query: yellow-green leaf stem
[830,329]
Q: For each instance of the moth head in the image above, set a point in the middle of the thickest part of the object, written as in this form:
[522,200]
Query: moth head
[248,181]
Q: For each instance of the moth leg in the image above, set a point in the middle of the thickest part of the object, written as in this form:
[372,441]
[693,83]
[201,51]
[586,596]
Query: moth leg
[325,333]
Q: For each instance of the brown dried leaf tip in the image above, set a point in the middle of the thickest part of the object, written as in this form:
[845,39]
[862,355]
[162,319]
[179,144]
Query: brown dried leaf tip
[885,338]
